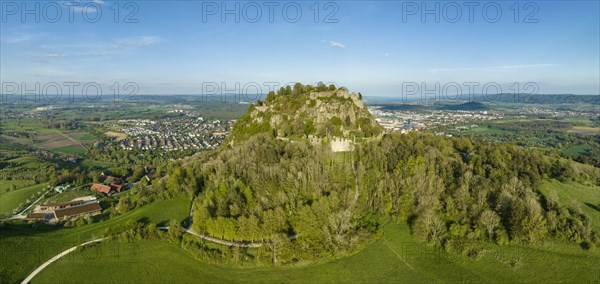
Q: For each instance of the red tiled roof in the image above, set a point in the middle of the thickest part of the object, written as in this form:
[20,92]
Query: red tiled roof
[101,188]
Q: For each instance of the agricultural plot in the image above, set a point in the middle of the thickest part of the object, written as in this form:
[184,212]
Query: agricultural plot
[583,130]
[72,142]
[60,142]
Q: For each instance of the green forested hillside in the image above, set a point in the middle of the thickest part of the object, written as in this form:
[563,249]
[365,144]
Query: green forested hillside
[396,207]
[305,202]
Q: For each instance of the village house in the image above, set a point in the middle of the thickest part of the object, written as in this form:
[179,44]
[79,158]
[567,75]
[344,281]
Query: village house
[101,188]
[117,187]
[107,189]
[112,180]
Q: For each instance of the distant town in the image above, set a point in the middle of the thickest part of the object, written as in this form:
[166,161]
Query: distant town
[418,120]
[188,131]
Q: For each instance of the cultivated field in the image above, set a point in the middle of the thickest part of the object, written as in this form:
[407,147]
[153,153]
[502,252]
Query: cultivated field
[584,130]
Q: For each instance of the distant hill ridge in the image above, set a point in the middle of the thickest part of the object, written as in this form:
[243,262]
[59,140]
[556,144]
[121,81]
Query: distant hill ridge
[465,106]
[472,106]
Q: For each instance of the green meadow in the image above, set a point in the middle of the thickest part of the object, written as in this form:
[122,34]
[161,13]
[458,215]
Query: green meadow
[588,197]
[6,185]
[395,257]
[23,248]
[577,150]
[392,257]
[12,199]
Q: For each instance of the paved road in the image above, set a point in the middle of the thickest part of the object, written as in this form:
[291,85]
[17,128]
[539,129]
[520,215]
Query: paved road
[55,258]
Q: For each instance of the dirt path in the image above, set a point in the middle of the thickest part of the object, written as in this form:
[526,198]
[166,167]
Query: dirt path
[223,242]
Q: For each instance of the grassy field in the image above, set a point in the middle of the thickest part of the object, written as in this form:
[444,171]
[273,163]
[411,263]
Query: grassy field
[67,196]
[585,130]
[12,199]
[23,248]
[6,185]
[577,150]
[118,135]
[25,162]
[484,131]
[72,150]
[588,197]
[394,258]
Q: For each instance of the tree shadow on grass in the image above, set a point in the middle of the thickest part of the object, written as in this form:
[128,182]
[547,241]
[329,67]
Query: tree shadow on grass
[595,207]
[19,229]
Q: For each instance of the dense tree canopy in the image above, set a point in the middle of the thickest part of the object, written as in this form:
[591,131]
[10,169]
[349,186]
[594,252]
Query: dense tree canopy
[327,203]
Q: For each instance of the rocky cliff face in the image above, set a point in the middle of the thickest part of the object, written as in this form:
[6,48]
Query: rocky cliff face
[316,116]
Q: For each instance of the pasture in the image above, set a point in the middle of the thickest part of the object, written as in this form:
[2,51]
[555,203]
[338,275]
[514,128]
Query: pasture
[11,200]
[23,248]
[395,257]
[7,185]
[588,197]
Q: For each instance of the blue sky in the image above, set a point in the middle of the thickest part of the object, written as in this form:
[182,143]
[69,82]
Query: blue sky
[372,49]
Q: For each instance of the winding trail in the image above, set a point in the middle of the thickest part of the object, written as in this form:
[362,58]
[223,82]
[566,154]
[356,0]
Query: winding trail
[55,258]
[223,242]
[188,230]
[191,231]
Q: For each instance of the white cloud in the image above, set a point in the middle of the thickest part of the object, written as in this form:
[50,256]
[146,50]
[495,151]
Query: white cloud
[53,55]
[492,68]
[336,44]
[86,9]
[83,6]
[18,38]
[142,41]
